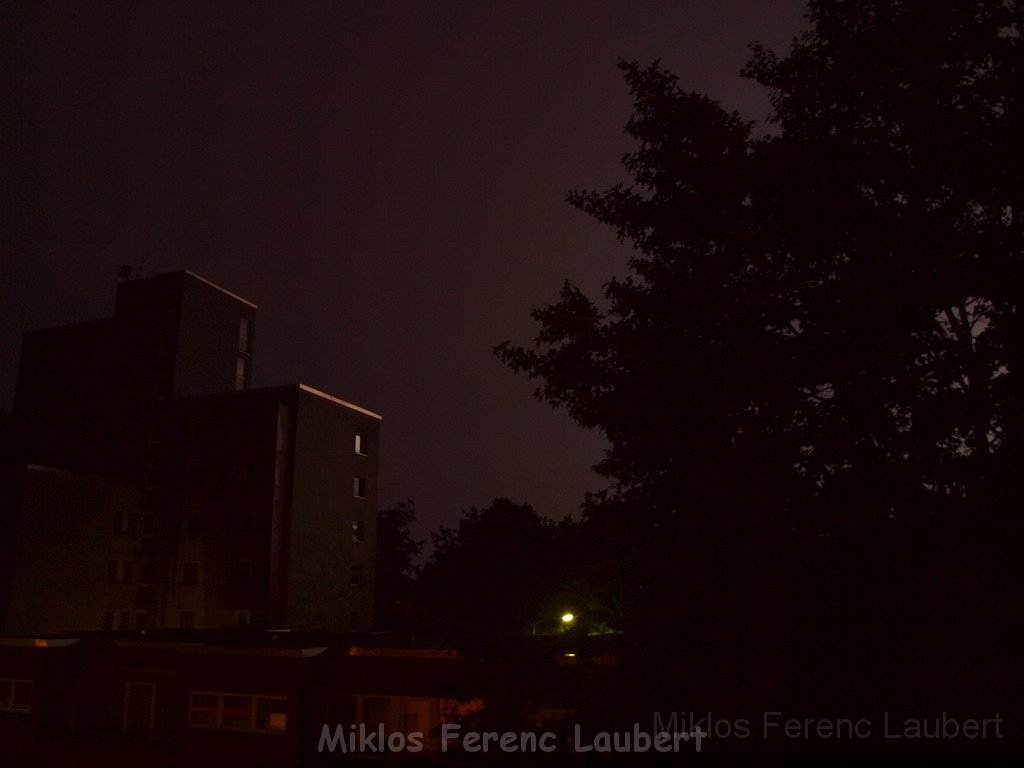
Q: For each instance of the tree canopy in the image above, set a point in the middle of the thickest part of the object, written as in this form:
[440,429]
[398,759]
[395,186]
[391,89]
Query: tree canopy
[818,342]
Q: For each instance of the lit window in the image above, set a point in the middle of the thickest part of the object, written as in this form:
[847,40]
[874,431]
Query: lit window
[359,487]
[241,373]
[204,709]
[271,715]
[357,531]
[238,712]
[243,334]
[190,573]
[361,445]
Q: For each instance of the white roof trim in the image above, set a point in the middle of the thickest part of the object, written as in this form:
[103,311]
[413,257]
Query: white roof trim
[333,399]
[222,290]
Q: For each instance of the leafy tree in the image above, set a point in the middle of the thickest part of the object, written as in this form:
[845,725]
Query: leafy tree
[811,374]
[493,574]
[397,551]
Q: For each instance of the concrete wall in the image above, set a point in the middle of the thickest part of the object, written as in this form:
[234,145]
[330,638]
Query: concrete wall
[321,551]
[66,529]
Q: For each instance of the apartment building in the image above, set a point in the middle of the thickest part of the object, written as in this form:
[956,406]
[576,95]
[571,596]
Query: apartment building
[155,488]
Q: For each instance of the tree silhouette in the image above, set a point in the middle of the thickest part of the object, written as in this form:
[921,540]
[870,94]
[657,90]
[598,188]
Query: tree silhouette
[396,568]
[810,378]
[492,575]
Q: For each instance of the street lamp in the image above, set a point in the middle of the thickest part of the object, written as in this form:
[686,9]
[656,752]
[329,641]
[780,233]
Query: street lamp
[567,618]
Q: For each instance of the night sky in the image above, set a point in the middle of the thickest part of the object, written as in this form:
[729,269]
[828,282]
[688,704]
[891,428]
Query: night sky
[386,180]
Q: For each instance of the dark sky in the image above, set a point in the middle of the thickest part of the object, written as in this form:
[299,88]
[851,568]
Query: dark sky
[386,180]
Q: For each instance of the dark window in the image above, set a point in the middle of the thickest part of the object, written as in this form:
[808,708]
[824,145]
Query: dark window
[190,573]
[248,521]
[163,387]
[141,619]
[359,487]
[357,531]
[187,620]
[121,571]
[130,522]
[148,524]
[243,571]
[158,429]
[167,344]
[356,576]
[145,572]
[361,445]
[194,525]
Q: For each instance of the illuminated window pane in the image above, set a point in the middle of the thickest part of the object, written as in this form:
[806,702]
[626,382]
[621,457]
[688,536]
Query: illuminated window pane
[241,373]
[203,710]
[237,712]
[243,335]
[271,715]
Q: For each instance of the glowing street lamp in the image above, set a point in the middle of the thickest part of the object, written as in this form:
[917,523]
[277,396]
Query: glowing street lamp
[567,618]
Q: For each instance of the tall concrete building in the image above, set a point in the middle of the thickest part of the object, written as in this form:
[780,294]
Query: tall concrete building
[190,499]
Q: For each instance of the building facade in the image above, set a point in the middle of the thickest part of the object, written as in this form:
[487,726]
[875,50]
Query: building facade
[197,501]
